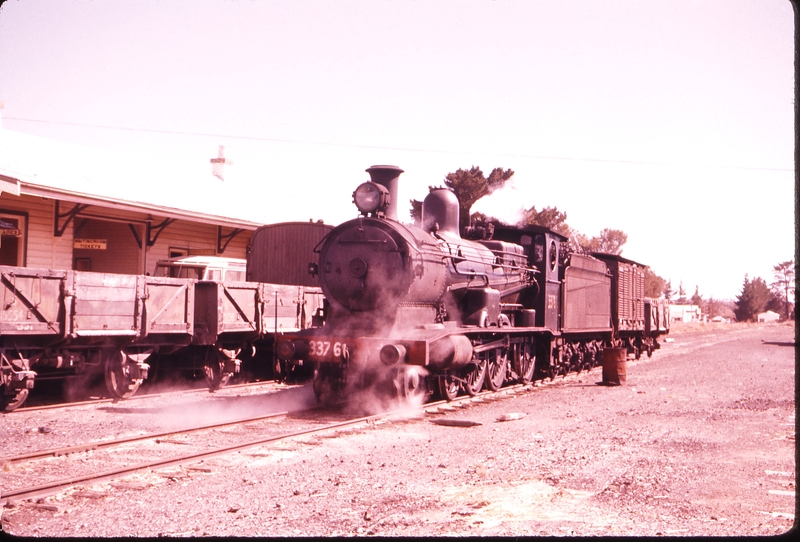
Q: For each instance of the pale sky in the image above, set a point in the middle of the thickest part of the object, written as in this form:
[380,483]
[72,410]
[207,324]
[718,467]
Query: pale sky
[670,120]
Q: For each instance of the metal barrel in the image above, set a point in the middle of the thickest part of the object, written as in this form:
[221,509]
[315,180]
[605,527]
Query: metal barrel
[614,370]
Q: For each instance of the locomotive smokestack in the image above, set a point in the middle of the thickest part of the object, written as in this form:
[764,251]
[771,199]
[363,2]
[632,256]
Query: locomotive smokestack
[387,176]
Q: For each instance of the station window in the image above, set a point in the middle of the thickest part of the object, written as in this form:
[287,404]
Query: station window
[234,275]
[12,238]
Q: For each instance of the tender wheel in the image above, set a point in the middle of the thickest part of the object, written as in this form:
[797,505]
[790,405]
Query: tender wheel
[473,378]
[524,364]
[496,366]
[214,369]
[122,378]
[12,401]
[449,386]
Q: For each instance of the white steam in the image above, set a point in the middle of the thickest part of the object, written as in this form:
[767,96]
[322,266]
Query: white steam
[505,203]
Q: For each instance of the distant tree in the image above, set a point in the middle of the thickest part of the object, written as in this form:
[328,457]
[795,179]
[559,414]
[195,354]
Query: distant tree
[609,241]
[498,177]
[681,294]
[549,217]
[668,291]
[697,298]
[753,299]
[653,284]
[776,305]
[784,284]
[416,211]
[711,307]
[470,185]
[727,307]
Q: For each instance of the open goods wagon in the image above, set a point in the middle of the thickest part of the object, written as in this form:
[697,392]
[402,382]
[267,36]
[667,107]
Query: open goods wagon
[57,320]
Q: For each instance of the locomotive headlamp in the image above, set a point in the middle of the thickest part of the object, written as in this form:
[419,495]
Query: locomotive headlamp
[371,197]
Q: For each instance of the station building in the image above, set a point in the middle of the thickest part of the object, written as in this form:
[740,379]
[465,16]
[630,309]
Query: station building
[65,207]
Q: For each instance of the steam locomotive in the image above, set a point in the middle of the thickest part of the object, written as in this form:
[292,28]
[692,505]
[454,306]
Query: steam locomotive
[411,310]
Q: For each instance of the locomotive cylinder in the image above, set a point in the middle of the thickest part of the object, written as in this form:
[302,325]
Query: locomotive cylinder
[391,354]
[451,352]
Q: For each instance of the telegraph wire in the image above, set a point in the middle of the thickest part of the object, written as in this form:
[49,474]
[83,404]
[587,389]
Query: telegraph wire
[378,147]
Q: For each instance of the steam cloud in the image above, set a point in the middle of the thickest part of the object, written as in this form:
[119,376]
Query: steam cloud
[503,203]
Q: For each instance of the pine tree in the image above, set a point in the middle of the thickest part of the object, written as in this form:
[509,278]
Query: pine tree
[753,300]
[668,291]
[697,299]
[681,294]
[784,284]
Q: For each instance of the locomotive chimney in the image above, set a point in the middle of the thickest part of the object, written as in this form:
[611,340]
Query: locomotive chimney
[387,176]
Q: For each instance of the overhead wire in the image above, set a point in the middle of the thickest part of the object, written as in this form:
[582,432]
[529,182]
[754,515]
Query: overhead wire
[379,147]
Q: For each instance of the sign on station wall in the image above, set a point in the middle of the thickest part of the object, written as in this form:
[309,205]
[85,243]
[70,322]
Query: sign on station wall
[89,244]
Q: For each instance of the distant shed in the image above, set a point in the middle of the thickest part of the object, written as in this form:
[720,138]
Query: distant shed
[768,316]
[280,253]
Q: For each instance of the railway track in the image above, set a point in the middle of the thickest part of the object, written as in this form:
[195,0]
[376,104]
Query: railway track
[137,397]
[55,470]
[67,450]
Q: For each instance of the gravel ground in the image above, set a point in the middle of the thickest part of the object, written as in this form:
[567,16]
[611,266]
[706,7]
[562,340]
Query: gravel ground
[700,441]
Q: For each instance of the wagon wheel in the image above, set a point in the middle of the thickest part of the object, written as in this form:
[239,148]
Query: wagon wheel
[496,366]
[578,361]
[524,363]
[327,386]
[589,358]
[10,402]
[119,374]
[449,386]
[473,378]
[214,369]
[552,368]
[12,397]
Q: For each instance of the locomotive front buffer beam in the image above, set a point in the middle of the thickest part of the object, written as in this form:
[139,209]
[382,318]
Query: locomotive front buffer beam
[432,350]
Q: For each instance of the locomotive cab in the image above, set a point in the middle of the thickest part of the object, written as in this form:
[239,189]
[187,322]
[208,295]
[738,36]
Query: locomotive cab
[544,252]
